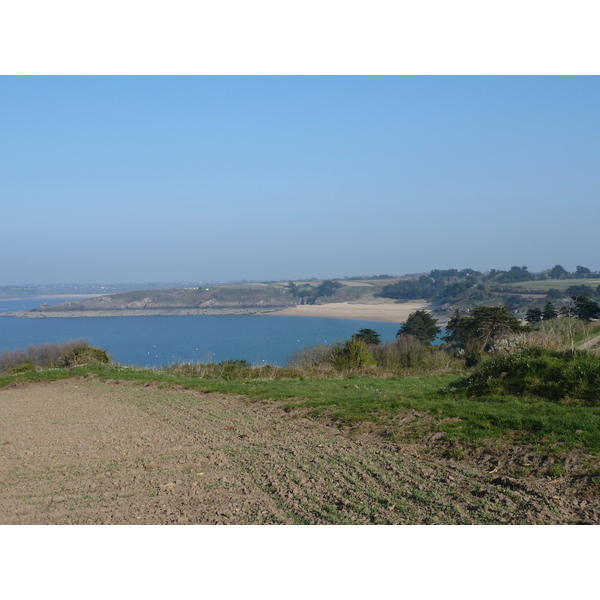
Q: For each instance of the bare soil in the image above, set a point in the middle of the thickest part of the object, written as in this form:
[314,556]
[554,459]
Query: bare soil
[81,451]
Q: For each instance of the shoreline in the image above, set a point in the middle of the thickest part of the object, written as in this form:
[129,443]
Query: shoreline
[51,297]
[139,312]
[386,312]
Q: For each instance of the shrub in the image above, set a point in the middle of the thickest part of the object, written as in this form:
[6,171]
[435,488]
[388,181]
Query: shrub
[549,374]
[405,355]
[321,355]
[238,362]
[354,354]
[68,354]
[83,354]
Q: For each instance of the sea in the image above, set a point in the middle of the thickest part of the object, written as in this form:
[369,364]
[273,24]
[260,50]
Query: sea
[157,341]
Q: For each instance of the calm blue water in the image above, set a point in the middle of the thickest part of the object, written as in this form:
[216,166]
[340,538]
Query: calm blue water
[159,341]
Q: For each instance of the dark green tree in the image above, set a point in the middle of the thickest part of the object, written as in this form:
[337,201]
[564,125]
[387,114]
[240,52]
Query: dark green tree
[368,336]
[482,327]
[585,308]
[515,274]
[534,315]
[422,325]
[558,272]
[328,287]
[581,290]
[582,271]
[554,293]
[549,312]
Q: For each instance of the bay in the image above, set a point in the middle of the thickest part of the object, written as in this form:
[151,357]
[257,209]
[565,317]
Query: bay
[162,340]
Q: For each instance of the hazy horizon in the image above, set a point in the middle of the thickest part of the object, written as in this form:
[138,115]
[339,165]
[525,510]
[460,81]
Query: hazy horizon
[200,178]
[159,284]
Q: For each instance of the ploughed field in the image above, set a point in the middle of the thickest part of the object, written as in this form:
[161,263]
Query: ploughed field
[85,451]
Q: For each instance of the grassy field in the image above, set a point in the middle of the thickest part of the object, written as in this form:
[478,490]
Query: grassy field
[399,408]
[557,284]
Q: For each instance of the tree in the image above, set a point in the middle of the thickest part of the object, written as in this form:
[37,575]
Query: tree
[368,336]
[411,289]
[559,272]
[585,308]
[515,274]
[582,271]
[534,315]
[581,290]
[482,327]
[422,325]
[549,312]
[328,287]
[554,293]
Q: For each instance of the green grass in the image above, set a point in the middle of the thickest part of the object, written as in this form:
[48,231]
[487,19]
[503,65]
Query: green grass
[439,403]
[546,284]
[547,374]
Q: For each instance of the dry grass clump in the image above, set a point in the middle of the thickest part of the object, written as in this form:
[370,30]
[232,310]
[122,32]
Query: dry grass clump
[408,356]
[320,357]
[231,370]
[404,356]
[556,334]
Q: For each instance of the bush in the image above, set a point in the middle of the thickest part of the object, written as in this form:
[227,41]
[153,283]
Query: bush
[553,375]
[406,355]
[46,356]
[83,354]
[354,354]
[321,356]
[238,362]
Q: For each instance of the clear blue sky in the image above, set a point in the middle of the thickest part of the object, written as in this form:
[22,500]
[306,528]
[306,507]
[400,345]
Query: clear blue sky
[140,179]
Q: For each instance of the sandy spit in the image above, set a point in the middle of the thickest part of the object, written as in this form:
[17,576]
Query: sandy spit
[385,311]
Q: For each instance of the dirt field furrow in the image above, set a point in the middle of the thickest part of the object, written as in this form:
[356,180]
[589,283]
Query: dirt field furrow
[87,452]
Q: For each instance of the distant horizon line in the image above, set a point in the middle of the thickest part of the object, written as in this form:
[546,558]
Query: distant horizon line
[178,283]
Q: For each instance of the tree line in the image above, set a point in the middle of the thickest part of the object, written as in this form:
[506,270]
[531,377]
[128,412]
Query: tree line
[476,332]
[448,284]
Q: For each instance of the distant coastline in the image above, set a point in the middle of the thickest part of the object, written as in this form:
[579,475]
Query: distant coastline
[134,312]
[386,311]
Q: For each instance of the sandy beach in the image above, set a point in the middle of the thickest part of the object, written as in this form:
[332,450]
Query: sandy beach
[383,311]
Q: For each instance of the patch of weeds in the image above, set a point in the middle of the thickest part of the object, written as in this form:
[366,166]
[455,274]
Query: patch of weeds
[556,470]
[456,452]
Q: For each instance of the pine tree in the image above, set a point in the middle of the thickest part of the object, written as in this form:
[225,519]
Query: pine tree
[422,325]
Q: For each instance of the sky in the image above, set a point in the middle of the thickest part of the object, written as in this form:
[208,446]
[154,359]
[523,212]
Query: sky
[201,178]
